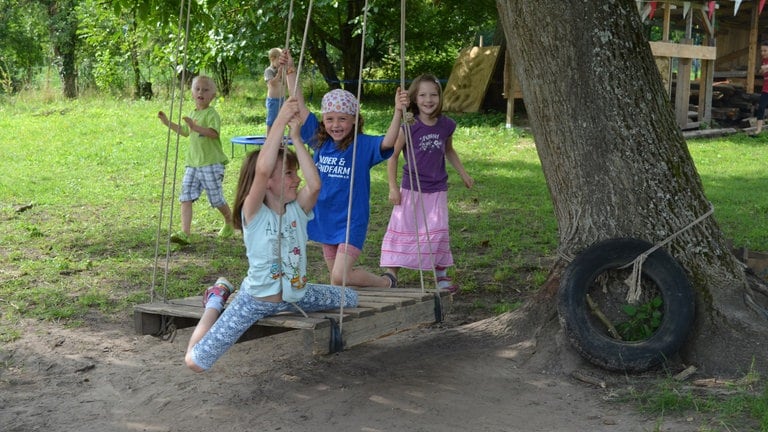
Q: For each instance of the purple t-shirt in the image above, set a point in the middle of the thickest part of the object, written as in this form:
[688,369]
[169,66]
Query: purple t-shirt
[429,150]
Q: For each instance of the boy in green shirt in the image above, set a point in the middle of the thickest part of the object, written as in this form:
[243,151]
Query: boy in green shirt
[205,159]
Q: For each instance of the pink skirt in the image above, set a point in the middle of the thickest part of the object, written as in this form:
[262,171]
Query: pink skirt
[406,243]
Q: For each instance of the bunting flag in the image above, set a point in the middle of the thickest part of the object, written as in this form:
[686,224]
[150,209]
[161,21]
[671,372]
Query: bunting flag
[711,10]
[653,10]
[736,4]
[687,7]
[760,8]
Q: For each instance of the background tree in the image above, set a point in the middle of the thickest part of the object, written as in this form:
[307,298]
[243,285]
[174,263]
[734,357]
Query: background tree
[62,24]
[23,36]
[435,32]
[617,165]
[116,44]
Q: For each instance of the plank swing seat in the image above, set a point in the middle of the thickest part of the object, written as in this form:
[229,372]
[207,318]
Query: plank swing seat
[380,312]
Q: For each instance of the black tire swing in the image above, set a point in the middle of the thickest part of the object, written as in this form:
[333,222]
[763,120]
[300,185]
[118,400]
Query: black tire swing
[589,336]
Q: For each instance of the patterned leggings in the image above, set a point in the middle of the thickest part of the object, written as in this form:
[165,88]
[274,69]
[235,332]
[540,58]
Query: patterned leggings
[245,310]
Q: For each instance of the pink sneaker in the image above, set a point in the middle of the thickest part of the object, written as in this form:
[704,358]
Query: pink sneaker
[444,283]
[222,288]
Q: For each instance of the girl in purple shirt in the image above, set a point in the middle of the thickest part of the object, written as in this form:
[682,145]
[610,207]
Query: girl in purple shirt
[417,236]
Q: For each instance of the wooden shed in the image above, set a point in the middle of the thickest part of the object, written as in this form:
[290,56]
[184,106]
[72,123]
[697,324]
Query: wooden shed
[721,37]
[717,40]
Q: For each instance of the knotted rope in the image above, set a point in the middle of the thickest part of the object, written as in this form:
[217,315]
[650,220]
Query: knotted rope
[634,279]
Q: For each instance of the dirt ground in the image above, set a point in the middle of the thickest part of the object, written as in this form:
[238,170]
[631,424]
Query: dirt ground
[448,377]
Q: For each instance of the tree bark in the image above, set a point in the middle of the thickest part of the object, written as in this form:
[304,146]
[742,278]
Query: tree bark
[350,46]
[617,165]
[319,54]
[63,28]
[347,40]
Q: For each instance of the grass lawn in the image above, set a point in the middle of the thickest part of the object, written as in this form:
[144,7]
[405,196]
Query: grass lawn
[89,184]
[87,201]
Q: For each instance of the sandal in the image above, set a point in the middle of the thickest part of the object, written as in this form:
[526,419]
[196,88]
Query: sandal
[222,288]
[447,285]
[392,279]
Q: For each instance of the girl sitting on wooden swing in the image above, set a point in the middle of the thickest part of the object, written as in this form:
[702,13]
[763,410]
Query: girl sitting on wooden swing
[273,215]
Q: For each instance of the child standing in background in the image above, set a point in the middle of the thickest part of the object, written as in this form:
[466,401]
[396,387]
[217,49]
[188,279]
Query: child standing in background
[332,139]
[423,190]
[763,104]
[205,159]
[274,93]
[273,213]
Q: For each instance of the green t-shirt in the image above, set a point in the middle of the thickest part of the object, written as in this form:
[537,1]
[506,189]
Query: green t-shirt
[202,150]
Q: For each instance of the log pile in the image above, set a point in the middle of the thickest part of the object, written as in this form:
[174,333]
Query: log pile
[731,104]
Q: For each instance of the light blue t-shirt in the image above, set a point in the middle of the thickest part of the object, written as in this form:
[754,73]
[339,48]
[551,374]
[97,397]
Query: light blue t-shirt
[265,266]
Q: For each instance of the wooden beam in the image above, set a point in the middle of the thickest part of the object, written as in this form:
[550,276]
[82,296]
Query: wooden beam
[709,25]
[752,56]
[683,88]
[509,86]
[683,51]
[705,91]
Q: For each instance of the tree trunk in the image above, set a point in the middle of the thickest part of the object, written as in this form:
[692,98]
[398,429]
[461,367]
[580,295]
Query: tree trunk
[617,165]
[63,28]
[224,76]
[350,46]
[319,54]
[138,84]
[348,43]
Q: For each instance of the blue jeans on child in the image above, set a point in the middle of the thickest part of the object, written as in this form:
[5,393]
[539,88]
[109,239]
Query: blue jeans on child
[245,310]
[273,107]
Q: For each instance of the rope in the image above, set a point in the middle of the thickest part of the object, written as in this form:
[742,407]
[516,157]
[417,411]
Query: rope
[279,251]
[285,140]
[634,279]
[410,153]
[352,174]
[153,292]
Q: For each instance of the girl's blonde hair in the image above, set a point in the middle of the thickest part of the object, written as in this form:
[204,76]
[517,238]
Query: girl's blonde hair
[275,53]
[210,81]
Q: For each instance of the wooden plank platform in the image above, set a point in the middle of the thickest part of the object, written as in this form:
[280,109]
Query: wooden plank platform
[380,312]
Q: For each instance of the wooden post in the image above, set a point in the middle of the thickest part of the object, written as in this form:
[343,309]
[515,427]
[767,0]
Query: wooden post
[665,38]
[683,84]
[705,90]
[752,56]
[707,79]
[509,87]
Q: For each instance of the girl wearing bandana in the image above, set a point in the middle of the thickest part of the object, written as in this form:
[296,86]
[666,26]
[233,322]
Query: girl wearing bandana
[332,137]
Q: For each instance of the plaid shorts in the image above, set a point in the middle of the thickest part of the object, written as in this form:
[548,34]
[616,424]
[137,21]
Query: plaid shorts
[209,178]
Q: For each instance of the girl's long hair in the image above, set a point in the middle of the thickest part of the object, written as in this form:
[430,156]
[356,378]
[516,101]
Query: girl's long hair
[413,92]
[245,181]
